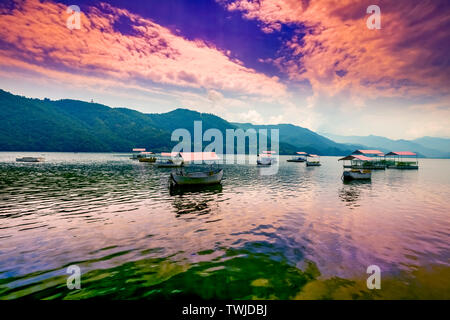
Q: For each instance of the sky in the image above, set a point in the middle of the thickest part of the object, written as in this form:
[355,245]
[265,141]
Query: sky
[315,64]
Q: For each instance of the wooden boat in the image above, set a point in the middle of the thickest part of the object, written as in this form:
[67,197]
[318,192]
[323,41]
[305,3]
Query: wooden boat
[300,158]
[313,163]
[197,178]
[356,174]
[146,157]
[30,159]
[265,159]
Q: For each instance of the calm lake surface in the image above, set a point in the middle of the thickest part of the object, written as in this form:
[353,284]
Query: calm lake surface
[299,234]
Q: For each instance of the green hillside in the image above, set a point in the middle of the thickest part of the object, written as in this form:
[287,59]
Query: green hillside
[70,125]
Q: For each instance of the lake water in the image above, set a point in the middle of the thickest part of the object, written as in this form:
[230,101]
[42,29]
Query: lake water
[300,234]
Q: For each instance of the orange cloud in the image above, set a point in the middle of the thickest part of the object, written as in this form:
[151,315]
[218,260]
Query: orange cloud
[338,53]
[34,35]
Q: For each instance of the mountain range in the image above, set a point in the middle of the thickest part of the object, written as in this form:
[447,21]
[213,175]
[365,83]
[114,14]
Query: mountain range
[425,146]
[28,124]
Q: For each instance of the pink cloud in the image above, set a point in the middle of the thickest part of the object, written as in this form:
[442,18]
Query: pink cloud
[338,53]
[35,37]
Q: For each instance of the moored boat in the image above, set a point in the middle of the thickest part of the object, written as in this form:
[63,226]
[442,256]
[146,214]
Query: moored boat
[300,158]
[315,162]
[197,178]
[356,174]
[399,163]
[266,159]
[147,157]
[169,160]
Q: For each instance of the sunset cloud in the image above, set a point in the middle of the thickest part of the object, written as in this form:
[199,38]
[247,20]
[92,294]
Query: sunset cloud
[336,52]
[34,35]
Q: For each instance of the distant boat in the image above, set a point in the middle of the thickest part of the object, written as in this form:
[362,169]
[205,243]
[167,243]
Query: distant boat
[205,177]
[169,160]
[313,163]
[30,159]
[147,157]
[266,159]
[137,153]
[300,158]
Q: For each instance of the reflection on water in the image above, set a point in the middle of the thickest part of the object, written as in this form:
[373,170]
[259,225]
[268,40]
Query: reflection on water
[302,233]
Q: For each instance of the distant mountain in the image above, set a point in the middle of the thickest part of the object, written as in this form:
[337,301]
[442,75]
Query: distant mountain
[426,146]
[441,144]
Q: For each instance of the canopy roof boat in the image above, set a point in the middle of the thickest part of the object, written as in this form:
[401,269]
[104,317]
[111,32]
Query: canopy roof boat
[356,174]
[397,161]
[205,177]
[265,159]
[300,158]
[30,159]
[170,160]
[361,161]
[146,156]
[314,162]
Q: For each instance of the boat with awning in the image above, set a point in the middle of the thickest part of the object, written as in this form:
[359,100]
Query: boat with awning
[300,157]
[377,160]
[399,160]
[313,160]
[356,174]
[266,159]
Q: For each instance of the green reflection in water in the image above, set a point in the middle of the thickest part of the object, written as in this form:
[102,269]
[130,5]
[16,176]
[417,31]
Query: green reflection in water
[238,274]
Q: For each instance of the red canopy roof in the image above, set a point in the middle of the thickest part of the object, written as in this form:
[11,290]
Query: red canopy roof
[301,152]
[377,152]
[199,156]
[148,152]
[312,155]
[356,157]
[401,153]
[138,149]
[269,152]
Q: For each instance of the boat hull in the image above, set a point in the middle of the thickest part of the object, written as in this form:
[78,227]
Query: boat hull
[313,164]
[150,160]
[197,178]
[265,162]
[30,159]
[294,160]
[404,167]
[356,175]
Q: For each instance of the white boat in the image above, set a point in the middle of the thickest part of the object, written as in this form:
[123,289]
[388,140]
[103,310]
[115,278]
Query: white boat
[266,159]
[196,178]
[356,174]
[300,158]
[313,163]
[169,160]
[30,159]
